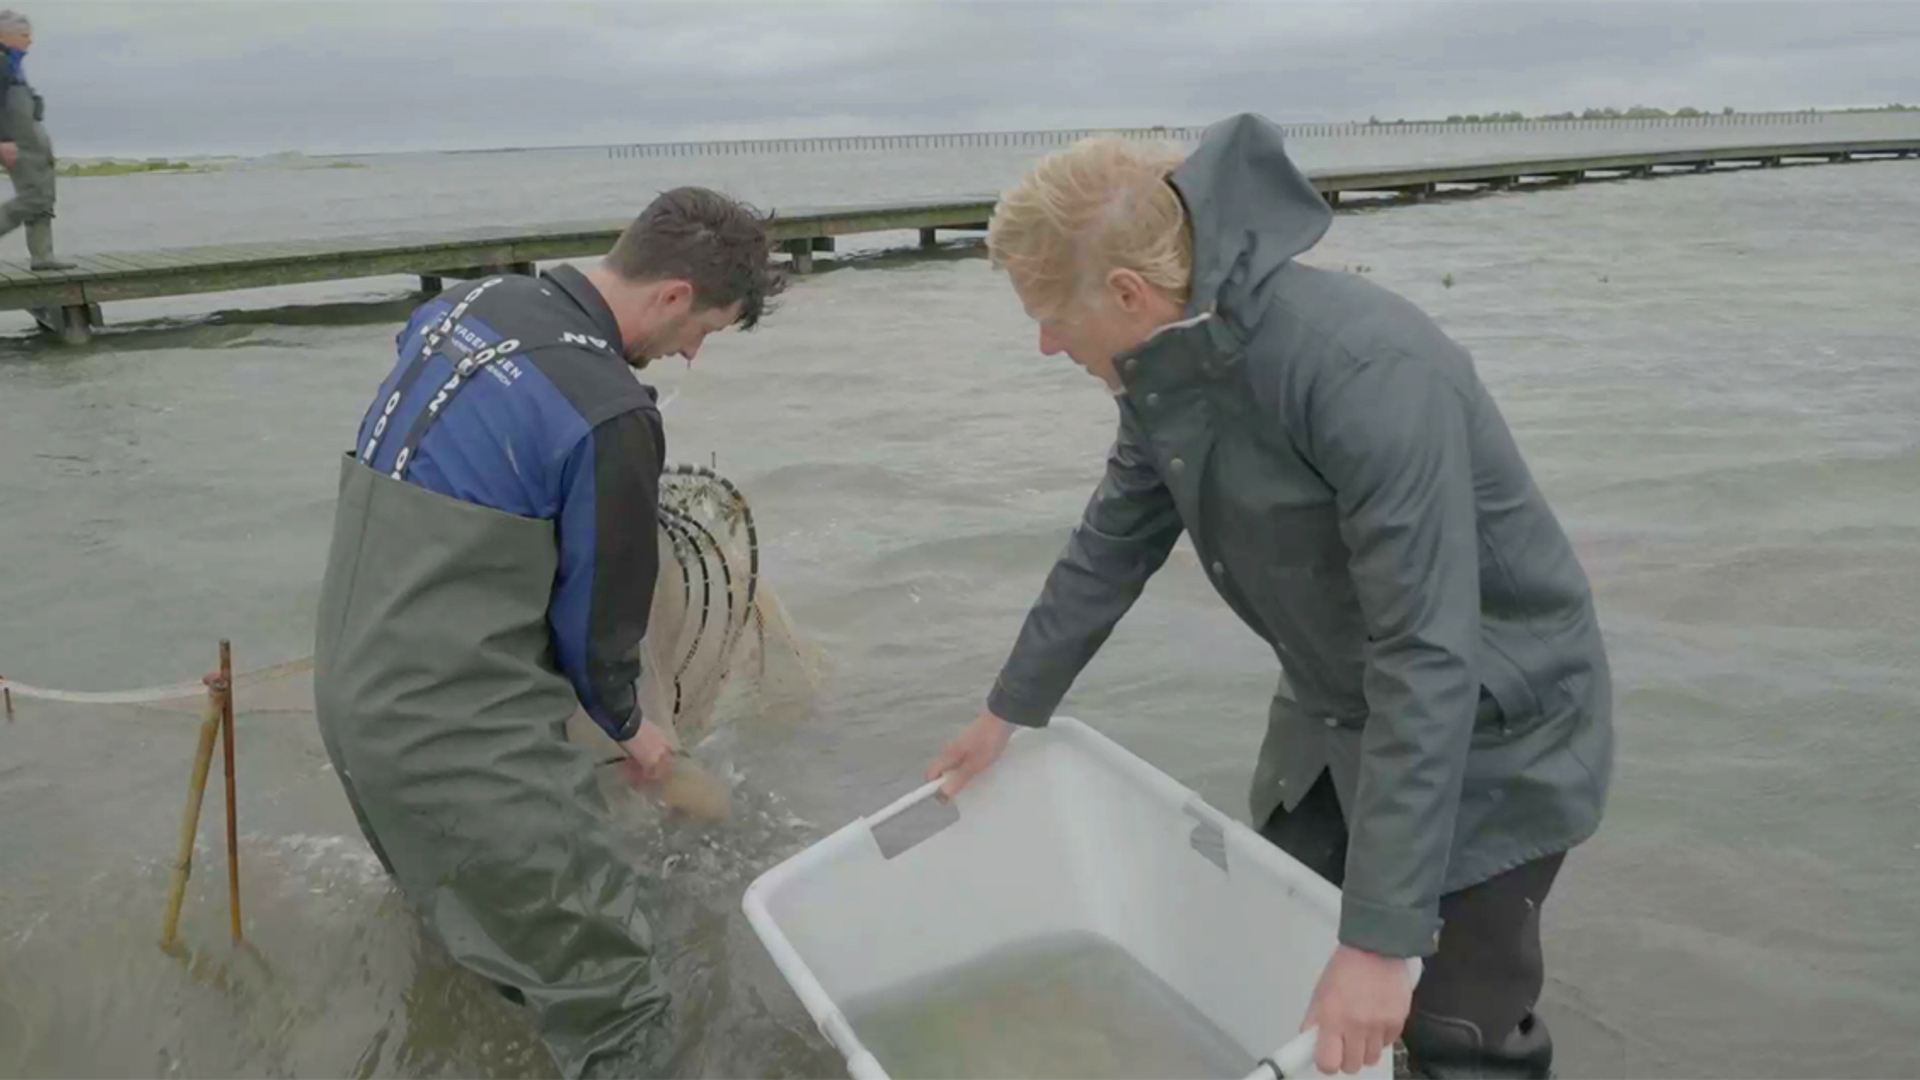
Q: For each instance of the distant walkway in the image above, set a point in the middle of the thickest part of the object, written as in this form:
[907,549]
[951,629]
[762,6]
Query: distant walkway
[67,302]
[968,140]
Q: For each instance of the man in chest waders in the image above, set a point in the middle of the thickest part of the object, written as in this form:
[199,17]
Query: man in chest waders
[492,566]
[1443,733]
[25,151]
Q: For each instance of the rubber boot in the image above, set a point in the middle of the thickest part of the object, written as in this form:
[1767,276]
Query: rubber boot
[40,246]
[1446,1047]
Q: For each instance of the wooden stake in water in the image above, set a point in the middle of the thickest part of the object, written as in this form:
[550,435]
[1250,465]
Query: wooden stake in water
[233,811]
[190,819]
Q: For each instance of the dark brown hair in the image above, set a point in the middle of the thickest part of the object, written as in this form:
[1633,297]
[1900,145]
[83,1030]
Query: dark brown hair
[716,243]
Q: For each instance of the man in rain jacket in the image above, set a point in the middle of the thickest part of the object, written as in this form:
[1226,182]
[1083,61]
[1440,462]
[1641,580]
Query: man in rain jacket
[1443,733]
[492,567]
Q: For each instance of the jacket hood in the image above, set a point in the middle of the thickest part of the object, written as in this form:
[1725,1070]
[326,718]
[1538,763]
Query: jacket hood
[1250,207]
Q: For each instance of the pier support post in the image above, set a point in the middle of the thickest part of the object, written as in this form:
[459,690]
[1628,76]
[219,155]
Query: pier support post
[72,323]
[524,269]
[801,252]
[1332,197]
[929,237]
[432,284]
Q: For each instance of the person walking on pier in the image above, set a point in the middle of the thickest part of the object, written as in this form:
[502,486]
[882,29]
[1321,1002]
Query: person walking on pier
[492,567]
[25,150]
[1443,733]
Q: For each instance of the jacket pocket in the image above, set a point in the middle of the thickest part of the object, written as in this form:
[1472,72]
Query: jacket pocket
[1314,609]
[1515,708]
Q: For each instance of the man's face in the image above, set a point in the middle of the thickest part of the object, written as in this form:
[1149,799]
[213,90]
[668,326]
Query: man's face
[17,39]
[681,329]
[1093,331]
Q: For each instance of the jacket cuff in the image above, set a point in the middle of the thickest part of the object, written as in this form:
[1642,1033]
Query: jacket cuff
[1003,704]
[1398,932]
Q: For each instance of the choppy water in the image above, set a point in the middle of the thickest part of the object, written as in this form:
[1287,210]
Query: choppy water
[1715,378]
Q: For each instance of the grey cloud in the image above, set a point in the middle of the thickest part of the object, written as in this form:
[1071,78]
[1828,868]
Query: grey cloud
[159,78]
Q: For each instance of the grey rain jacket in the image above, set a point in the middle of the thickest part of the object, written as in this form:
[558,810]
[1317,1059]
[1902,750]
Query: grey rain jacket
[1359,502]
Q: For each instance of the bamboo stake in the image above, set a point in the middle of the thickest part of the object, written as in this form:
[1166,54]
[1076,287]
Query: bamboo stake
[233,810]
[190,819]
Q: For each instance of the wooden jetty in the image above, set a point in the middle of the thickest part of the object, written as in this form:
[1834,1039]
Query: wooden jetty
[969,140]
[67,302]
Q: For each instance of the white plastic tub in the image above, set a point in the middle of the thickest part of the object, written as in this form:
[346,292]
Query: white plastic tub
[1067,833]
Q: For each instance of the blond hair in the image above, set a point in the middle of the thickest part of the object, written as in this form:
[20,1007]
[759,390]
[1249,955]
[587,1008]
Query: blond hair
[1101,204]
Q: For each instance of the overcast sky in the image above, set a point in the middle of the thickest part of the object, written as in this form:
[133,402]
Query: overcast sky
[252,76]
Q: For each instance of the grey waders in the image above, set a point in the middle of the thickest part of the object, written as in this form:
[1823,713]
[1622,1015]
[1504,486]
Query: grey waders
[32,173]
[444,715]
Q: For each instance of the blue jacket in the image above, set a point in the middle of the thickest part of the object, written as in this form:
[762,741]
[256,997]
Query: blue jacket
[553,426]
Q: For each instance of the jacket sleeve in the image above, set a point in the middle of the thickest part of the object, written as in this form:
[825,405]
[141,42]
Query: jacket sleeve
[1391,437]
[1129,526]
[609,562]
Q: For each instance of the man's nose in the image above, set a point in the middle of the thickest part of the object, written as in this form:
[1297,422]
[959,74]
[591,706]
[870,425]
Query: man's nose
[1049,345]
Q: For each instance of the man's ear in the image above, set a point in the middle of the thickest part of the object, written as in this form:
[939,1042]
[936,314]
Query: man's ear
[676,295]
[1129,289]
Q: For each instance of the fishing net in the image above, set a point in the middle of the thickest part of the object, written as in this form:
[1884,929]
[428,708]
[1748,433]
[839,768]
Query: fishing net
[715,622]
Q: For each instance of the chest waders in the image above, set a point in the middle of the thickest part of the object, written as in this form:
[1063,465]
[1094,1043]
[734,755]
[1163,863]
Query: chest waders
[444,714]
[32,174]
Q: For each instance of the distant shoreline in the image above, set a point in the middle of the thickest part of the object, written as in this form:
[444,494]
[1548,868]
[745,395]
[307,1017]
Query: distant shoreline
[114,165]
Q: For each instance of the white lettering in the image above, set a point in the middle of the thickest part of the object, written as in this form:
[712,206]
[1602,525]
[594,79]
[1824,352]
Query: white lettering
[570,338]
[448,326]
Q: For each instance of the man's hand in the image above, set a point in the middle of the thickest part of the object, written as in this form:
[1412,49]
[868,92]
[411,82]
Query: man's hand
[9,153]
[977,746]
[1360,1005]
[649,753]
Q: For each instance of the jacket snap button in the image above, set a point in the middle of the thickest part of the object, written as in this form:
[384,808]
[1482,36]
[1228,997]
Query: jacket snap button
[1218,569]
[1153,399]
[1177,464]
[1333,721]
